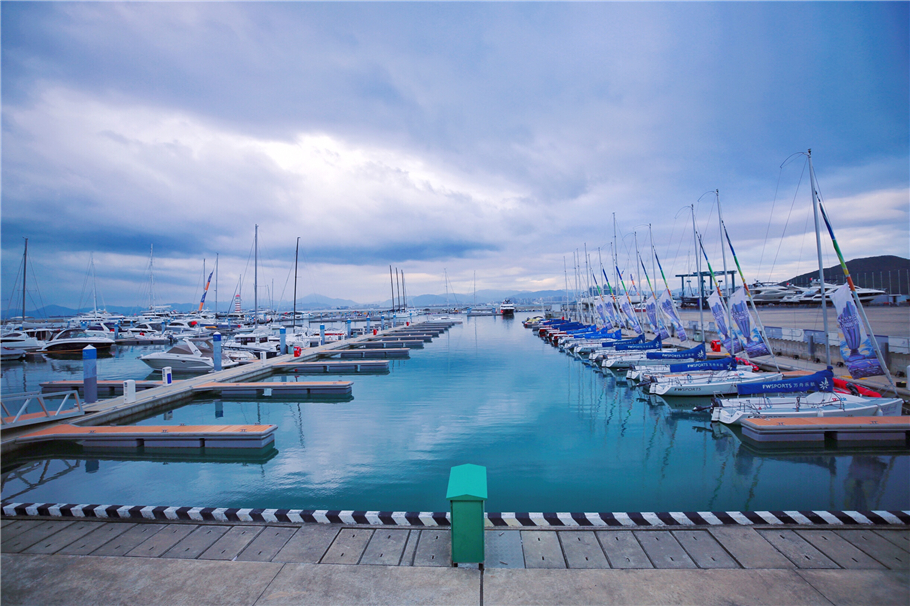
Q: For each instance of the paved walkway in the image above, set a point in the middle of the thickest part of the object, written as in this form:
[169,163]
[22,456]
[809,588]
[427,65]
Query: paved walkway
[78,562]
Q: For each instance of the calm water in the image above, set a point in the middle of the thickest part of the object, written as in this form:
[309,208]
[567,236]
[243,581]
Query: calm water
[553,434]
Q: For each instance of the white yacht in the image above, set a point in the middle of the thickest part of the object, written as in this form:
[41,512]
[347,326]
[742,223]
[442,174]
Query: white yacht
[74,340]
[187,356]
[19,339]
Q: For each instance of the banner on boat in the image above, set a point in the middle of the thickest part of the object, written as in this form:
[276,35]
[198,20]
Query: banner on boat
[820,381]
[655,344]
[855,345]
[717,308]
[739,309]
[657,323]
[697,352]
[666,304]
[630,315]
[722,364]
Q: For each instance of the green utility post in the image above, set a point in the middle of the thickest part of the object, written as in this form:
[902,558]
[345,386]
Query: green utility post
[466,494]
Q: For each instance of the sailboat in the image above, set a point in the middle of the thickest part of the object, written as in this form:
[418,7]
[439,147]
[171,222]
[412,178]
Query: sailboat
[814,395]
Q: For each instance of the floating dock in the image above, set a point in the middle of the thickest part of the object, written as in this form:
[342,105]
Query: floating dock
[158,436]
[104,387]
[409,343]
[366,354]
[324,366]
[426,338]
[278,388]
[817,431]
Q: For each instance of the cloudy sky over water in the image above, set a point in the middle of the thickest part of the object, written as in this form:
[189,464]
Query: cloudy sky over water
[440,138]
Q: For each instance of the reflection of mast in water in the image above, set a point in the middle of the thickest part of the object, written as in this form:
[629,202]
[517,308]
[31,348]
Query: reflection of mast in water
[298,421]
[20,472]
[865,478]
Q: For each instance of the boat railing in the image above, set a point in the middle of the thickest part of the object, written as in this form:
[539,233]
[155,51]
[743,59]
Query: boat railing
[21,417]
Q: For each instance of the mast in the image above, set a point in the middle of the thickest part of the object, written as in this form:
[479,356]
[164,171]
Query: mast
[723,254]
[398,289]
[632,277]
[296,254]
[24,269]
[588,286]
[151,277]
[256,275]
[701,296]
[94,292]
[404,289]
[821,267]
[216,285]
[392,285]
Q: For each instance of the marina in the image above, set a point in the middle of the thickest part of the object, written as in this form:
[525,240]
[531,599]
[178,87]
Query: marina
[617,432]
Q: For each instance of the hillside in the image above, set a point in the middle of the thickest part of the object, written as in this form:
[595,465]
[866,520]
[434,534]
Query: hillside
[886,272]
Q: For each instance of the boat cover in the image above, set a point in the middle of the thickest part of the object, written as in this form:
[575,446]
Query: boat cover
[655,344]
[721,364]
[820,381]
[697,352]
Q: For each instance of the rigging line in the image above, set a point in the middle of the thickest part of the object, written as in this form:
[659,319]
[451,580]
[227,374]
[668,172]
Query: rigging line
[15,290]
[792,205]
[761,258]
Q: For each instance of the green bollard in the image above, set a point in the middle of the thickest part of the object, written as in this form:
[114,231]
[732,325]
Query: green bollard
[466,495]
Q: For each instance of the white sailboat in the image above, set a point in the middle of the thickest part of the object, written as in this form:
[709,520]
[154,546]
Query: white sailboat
[814,396]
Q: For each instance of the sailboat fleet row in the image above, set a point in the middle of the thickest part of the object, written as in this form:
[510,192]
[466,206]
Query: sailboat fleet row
[191,334]
[738,389]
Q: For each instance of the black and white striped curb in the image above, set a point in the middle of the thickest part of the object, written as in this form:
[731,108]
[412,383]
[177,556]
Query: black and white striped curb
[426,518]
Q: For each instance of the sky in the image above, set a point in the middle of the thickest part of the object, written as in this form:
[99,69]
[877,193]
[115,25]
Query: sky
[482,143]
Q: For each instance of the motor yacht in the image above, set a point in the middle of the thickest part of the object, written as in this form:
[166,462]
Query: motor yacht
[74,340]
[187,356]
[19,339]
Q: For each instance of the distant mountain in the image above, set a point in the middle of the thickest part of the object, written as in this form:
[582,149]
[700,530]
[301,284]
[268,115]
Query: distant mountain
[314,301]
[483,298]
[886,272]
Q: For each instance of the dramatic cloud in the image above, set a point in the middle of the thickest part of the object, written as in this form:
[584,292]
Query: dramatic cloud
[446,139]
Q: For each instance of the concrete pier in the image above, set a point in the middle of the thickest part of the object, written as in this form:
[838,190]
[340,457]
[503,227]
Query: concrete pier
[91,561]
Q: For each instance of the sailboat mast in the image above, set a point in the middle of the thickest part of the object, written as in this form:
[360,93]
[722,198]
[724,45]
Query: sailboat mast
[398,289]
[256,275]
[723,254]
[296,254]
[24,269]
[216,285]
[701,294]
[392,286]
[151,277]
[821,267]
[404,290]
[94,290]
